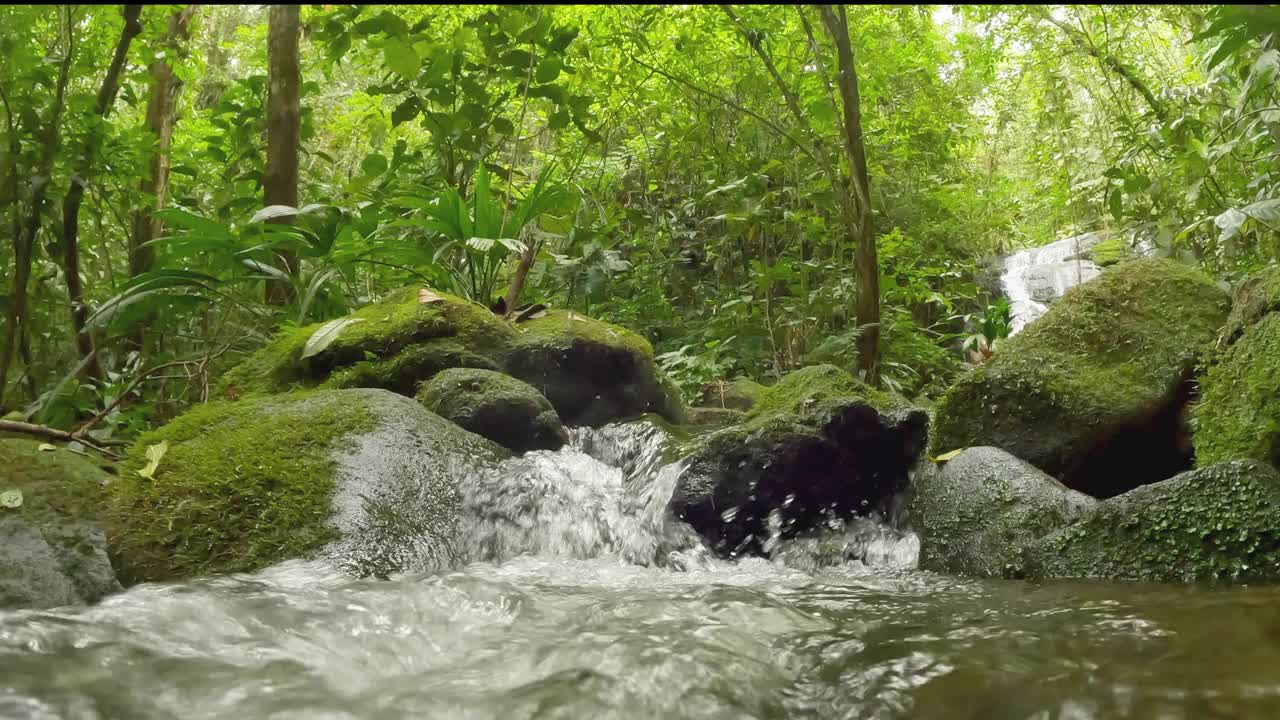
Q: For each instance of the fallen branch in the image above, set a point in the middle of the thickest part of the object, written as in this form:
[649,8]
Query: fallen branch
[49,433]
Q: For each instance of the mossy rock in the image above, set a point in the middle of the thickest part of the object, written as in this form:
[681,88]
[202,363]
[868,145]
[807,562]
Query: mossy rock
[365,477]
[591,372]
[1239,412]
[740,393]
[499,407]
[713,416]
[817,446]
[1221,522]
[1112,251]
[1092,392]
[976,511]
[1257,297]
[53,551]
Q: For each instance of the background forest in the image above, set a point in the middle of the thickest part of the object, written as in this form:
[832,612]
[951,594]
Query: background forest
[752,188]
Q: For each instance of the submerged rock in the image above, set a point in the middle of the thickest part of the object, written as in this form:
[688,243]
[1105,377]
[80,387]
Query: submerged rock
[818,447]
[975,512]
[1092,393]
[52,548]
[1219,522]
[1239,413]
[366,477]
[591,372]
[499,407]
[740,393]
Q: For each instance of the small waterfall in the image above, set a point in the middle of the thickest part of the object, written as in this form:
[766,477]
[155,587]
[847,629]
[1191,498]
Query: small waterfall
[607,493]
[1035,277]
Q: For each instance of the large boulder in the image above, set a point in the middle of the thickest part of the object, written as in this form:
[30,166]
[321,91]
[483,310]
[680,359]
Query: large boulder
[1239,413]
[591,372]
[365,477]
[1217,523]
[818,447]
[1093,392]
[975,512]
[499,407]
[52,548]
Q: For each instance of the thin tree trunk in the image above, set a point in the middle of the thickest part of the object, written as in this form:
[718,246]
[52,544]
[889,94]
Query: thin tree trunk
[866,265]
[75,193]
[25,233]
[161,119]
[284,120]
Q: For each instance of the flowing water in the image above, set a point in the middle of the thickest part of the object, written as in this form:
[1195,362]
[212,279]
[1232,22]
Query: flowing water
[586,601]
[1035,277]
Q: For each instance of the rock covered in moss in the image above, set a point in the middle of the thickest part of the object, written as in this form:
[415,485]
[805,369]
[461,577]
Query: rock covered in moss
[740,393]
[591,372]
[975,512]
[1257,297]
[499,407]
[1111,251]
[1239,413]
[52,548]
[365,477]
[713,416]
[818,446]
[1221,522]
[1093,391]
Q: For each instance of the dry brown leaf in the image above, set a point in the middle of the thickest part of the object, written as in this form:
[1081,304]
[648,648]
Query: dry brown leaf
[426,297]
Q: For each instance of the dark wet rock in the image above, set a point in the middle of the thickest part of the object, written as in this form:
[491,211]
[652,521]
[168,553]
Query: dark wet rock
[1256,298]
[52,548]
[819,446]
[591,372]
[1093,392]
[975,512]
[740,393]
[499,407]
[365,477]
[1217,523]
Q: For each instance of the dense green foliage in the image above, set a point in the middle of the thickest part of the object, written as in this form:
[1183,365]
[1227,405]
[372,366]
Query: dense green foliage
[642,164]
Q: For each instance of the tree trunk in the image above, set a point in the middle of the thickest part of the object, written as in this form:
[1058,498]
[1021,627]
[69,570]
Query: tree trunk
[25,233]
[284,121]
[161,118]
[866,265]
[75,193]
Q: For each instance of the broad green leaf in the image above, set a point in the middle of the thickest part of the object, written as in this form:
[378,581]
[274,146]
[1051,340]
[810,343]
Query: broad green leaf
[402,59]
[271,212]
[324,336]
[154,454]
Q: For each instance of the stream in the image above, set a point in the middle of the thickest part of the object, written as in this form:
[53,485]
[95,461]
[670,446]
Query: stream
[585,600]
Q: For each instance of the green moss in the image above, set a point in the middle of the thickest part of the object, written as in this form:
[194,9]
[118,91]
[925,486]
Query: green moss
[389,341]
[740,393]
[1239,413]
[1217,523]
[814,392]
[1110,252]
[1110,351]
[54,484]
[242,485]
[455,391]
[561,328]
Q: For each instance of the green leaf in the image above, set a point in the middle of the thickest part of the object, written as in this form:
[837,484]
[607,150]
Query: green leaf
[154,454]
[402,59]
[548,70]
[1229,45]
[1264,210]
[407,110]
[324,336]
[374,164]
[271,212]
[11,499]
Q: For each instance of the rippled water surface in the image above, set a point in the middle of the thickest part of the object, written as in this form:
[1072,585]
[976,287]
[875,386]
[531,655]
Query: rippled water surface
[560,631]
